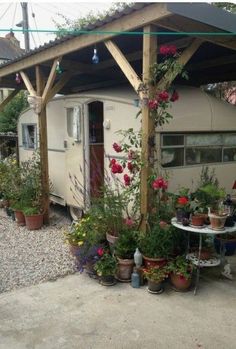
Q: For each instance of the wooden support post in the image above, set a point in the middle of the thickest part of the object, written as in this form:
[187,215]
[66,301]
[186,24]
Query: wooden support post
[8,99]
[27,83]
[43,146]
[51,79]
[148,129]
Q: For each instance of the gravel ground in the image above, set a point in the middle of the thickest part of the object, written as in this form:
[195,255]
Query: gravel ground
[31,257]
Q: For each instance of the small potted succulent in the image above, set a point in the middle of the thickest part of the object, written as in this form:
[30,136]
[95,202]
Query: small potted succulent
[106,268]
[155,277]
[124,251]
[181,271]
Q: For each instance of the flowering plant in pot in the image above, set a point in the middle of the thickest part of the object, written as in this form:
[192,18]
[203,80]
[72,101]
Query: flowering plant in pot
[155,276]
[124,251]
[106,268]
[181,271]
[156,245]
[182,206]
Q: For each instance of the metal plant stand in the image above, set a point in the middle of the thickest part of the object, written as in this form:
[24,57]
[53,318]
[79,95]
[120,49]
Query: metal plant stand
[213,261]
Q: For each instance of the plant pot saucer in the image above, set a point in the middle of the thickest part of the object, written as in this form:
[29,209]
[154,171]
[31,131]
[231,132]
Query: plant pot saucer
[178,290]
[103,283]
[197,226]
[217,229]
[122,280]
[156,292]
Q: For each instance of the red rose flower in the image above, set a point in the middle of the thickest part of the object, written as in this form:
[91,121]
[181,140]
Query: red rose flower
[117,148]
[116,168]
[159,183]
[100,251]
[152,104]
[112,162]
[175,96]
[166,50]
[130,166]
[129,221]
[127,179]
[183,200]
[163,96]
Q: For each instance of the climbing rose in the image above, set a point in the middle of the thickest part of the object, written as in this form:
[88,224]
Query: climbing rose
[100,251]
[129,221]
[183,200]
[112,162]
[116,168]
[127,179]
[117,147]
[130,166]
[159,183]
[168,50]
[153,104]
[175,96]
[163,96]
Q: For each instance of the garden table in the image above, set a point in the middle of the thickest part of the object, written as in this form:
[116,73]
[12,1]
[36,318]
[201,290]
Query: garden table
[211,262]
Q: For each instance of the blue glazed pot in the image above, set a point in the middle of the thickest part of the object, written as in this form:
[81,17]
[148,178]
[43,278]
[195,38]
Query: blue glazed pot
[230,246]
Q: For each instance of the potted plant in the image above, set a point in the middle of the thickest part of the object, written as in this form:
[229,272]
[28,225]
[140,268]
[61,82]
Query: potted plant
[106,268]
[181,271]
[182,205]
[156,245]
[124,251]
[155,277]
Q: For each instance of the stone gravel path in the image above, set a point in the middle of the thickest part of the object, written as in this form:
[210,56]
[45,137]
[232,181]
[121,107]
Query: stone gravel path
[32,257]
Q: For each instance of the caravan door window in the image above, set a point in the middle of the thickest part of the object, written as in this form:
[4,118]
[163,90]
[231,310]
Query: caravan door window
[29,136]
[73,116]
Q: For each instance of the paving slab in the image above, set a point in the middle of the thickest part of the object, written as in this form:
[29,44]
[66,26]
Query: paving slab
[77,312]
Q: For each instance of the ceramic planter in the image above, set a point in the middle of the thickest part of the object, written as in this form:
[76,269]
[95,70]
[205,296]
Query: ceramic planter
[155,286]
[125,268]
[111,239]
[107,280]
[179,282]
[153,262]
[217,221]
[34,222]
[198,220]
[20,218]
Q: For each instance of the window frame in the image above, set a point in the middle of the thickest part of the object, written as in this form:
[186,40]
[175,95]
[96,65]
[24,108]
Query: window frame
[184,146]
[25,142]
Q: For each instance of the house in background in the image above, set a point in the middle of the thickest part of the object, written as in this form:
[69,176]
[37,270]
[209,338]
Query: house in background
[9,50]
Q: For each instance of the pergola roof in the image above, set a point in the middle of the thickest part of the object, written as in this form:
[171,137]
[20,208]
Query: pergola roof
[214,61]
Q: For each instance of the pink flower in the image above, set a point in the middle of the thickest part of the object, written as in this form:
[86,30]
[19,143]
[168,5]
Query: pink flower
[168,50]
[159,183]
[100,251]
[127,179]
[165,185]
[130,166]
[117,147]
[163,96]
[112,162]
[131,154]
[129,221]
[152,104]
[175,96]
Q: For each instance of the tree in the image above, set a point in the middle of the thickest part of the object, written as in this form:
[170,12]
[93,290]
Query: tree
[10,114]
[227,6]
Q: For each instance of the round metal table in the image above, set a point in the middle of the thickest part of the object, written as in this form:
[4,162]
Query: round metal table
[212,262]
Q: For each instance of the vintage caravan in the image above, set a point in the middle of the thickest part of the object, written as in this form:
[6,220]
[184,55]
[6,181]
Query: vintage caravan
[82,129]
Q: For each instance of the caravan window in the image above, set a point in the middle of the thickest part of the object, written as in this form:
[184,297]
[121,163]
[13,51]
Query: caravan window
[73,116]
[193,149]
[29,136]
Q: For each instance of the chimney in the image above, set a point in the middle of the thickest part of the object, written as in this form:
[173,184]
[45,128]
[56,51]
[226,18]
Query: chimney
[11,36]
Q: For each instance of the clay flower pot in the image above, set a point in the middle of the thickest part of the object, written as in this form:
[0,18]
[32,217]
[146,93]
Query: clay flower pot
[217,221]
[111,239]
[179,282]
[34,222]
[153,262]
[125,268]
[20,218]
[198,219]
[107,280]
[155,286]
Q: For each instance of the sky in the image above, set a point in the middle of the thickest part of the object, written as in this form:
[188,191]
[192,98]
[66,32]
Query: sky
[44,14]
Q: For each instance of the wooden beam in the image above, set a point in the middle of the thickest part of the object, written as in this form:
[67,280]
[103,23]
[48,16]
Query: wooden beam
[51,79]
[124,64]
[128,22]
[148,129]
[58,86]
[43,146]
[27,83]
[8,99]
[167,79]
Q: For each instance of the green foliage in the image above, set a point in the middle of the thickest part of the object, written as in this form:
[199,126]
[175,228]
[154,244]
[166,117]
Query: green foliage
[106,265]
[209,195]
[157,242]
[156,274]
[181,266]
[227,6]
[126,244]
[11,180]
[30,211]
[10,114]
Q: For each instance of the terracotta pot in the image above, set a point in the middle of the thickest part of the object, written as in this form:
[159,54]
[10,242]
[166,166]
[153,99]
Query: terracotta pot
[217,221]
[153,262]
[111,239]
[198,220]
[125,268]
[20,218]
[155,286]
[179,282]
[34,222]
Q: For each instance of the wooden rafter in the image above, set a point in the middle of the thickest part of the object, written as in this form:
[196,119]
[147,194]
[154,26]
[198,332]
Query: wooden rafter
[58,86]
[51,79]
[213,62]
[182,60]
[124,65]
[27,83]
[132,21]
[8,99]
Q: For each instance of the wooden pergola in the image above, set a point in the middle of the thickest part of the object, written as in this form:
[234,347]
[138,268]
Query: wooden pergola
[127,43]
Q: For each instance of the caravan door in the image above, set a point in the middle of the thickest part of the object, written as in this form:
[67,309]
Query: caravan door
[75,159]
